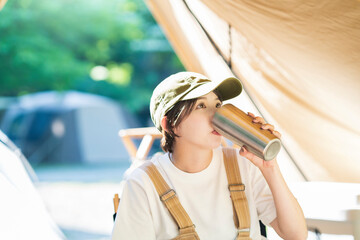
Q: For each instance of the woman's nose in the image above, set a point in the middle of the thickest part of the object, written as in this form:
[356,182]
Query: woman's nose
[212,112]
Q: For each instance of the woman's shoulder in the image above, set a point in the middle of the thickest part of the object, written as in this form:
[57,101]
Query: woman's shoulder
[137,173]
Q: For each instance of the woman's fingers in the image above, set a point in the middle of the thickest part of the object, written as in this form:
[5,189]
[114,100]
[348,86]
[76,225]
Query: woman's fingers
[267,126]
[259,120]
[277,134]
[245,153]
[256,119]
[264,125]
[271,129]
[254,159]
[251,114]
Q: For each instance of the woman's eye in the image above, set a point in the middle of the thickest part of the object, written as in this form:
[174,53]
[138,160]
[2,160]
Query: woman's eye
[201,105]
[218,105]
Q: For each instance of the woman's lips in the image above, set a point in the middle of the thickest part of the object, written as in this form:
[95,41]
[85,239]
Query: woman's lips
[216,133]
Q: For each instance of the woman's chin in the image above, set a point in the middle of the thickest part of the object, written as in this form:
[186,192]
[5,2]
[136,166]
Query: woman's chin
[216,143]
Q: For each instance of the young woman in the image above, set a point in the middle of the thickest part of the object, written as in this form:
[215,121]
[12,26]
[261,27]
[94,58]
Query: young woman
[194,202]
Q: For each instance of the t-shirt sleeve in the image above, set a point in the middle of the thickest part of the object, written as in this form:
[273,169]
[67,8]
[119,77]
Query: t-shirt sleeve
[133,219]
[264,201]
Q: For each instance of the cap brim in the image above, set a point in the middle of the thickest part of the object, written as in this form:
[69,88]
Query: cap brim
[228,88]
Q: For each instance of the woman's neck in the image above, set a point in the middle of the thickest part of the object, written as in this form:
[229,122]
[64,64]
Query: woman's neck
[191,159]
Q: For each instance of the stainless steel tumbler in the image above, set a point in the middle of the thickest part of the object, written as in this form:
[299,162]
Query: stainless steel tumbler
[238,127]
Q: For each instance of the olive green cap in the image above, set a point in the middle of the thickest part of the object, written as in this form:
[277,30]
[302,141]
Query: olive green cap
[185,86]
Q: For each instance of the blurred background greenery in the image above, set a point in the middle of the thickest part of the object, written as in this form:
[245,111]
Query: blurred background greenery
[111,48]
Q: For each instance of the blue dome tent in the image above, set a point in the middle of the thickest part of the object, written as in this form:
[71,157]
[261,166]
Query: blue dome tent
[68,127]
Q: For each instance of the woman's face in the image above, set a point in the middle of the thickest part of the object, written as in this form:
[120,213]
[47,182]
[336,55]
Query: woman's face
[197,129]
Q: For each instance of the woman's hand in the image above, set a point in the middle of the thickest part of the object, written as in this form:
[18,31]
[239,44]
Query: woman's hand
[259,162]
[289,222]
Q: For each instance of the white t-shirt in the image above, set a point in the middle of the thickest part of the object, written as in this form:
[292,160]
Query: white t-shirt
[204,196]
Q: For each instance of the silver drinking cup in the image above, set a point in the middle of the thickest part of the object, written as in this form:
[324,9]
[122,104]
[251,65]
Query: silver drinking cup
[238,127]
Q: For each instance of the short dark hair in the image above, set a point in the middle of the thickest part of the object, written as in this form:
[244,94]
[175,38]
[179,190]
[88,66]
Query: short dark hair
[174,117]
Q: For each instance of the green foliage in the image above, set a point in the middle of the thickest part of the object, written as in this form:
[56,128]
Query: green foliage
[53,45]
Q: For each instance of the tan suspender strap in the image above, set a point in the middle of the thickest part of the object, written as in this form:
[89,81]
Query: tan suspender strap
[187,234]
[237,193]
[168,197]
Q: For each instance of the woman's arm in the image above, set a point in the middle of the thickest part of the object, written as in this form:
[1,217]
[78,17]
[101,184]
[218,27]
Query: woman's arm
[290,222]
[133,219]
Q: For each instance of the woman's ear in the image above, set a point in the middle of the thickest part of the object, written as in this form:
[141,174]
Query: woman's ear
[164,124]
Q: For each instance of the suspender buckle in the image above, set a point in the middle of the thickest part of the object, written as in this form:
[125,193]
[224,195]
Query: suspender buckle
[236,187]
[188,227]
[243,230]
[168,195]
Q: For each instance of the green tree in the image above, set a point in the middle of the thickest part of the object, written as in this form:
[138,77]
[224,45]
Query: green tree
[53,45]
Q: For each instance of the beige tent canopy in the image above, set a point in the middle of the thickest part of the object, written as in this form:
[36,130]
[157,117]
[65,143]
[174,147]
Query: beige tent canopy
[299,62]
[2,3]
